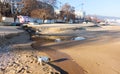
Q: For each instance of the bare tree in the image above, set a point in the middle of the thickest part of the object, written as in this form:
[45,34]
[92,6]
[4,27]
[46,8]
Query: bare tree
[44,13]
[0,15]
[67,12]
[38,9]
[5,9]
[29,5]
[50,2]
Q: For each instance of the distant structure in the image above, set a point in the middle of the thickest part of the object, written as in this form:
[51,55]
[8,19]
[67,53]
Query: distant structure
[57,11]
[112,20]
[81,14]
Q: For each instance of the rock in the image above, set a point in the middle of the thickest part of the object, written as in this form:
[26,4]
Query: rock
[26,67]
[21,70]
[2,68]
[15,64]
[10,64]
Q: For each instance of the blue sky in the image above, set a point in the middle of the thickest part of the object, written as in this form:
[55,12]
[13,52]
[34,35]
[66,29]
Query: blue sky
[96,7]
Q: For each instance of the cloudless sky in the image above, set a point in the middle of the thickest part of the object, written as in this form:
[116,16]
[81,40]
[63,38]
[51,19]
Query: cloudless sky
[96,7]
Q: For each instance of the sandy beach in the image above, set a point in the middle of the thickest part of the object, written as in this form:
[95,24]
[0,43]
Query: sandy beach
[97,54]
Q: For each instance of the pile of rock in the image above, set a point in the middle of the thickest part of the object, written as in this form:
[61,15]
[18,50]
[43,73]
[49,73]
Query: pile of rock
[19,64]
[23,64]
[19,57]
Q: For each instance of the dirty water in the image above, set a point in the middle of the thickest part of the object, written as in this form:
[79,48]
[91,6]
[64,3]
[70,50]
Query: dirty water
[63,38]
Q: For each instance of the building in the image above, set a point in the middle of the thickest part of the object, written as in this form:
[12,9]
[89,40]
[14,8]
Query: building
[112,20]
[80,14]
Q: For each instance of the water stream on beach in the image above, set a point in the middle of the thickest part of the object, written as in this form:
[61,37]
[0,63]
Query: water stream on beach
[62,38]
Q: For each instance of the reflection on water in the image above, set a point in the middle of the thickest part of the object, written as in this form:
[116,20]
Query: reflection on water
[57,40]
[78,38]
[63,38]
[71,38]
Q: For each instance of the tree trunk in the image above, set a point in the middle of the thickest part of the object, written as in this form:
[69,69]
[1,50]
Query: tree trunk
[15,17]
[44,19]
[0,17]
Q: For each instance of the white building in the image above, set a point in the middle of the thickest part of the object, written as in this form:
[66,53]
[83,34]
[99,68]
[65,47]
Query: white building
[80,14]
[112,20]
[57,11]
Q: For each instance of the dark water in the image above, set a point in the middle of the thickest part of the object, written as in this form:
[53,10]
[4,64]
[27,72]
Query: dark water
[63,38]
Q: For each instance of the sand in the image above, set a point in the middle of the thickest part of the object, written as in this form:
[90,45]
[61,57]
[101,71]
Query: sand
[97,58]
[98,54]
